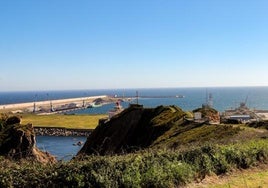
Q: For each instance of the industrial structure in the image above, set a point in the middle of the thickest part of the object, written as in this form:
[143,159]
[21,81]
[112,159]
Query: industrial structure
[243,114]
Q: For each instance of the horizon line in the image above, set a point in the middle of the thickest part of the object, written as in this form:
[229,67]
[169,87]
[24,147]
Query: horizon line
[133,88]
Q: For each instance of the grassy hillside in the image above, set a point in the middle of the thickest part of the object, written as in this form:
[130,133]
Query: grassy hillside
[60,120]
[162,127]
[134,128]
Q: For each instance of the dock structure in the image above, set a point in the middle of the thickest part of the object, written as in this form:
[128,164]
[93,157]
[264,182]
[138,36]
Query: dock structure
[245,114]
[52,105]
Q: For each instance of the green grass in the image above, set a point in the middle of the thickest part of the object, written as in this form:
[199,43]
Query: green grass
[60,120]
[196,134]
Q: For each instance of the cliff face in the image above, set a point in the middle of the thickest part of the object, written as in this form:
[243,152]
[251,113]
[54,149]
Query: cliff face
[18,141]
[135,128]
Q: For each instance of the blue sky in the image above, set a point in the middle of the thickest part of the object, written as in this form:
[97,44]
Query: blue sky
[98,44]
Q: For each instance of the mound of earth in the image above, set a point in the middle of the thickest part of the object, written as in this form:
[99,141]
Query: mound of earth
[161,127]
[18,141]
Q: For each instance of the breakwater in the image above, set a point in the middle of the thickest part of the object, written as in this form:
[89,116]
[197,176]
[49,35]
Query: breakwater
[56,131]
[49,103]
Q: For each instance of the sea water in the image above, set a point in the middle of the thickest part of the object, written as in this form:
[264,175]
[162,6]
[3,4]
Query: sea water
[223,98]
[62,147]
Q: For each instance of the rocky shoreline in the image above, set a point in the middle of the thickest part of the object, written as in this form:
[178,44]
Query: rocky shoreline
[55,131]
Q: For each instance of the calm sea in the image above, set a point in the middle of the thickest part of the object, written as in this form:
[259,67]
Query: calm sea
[223,98]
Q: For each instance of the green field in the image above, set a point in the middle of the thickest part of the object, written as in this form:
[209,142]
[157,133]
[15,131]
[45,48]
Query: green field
[60,120]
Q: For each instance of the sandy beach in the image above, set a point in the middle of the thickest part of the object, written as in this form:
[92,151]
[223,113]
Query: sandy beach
[22,106]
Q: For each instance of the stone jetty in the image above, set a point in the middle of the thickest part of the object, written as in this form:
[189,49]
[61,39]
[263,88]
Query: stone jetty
[56,131]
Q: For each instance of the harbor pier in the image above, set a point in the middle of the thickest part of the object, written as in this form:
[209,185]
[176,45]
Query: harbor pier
[51,106]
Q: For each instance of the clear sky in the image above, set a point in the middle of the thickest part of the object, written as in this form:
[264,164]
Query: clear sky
[93,44]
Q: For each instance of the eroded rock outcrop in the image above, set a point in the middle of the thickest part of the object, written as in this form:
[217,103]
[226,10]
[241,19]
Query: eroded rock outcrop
[18,141]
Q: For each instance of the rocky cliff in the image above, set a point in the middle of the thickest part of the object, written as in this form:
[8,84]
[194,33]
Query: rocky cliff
[163,127]
[18,141]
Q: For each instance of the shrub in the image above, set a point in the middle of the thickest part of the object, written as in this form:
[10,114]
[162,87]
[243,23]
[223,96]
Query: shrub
[150,168]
